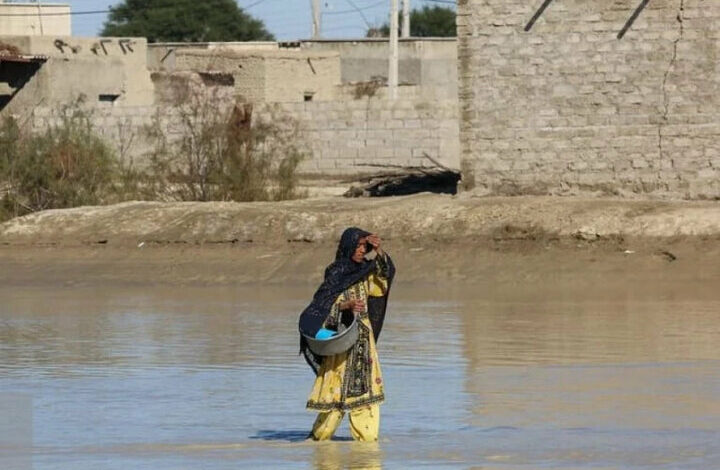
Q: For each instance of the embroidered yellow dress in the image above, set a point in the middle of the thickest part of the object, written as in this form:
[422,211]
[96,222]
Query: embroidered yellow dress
[351,381]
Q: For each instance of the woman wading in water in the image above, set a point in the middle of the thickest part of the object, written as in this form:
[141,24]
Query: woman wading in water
[358,281]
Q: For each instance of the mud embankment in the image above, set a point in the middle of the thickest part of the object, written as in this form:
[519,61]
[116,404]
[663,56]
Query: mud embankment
[321,220]
[435,238]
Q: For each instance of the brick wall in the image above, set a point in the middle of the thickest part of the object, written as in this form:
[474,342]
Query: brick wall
[575,102]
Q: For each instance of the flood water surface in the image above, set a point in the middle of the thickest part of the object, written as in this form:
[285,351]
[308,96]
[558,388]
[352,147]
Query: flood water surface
[168,378]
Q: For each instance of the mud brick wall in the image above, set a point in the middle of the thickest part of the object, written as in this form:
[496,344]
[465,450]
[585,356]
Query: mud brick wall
[621,96]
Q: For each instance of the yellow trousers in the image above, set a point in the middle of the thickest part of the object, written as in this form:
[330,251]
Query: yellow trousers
[364,424]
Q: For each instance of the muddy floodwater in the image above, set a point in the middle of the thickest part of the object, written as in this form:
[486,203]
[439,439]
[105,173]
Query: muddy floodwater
[493,377]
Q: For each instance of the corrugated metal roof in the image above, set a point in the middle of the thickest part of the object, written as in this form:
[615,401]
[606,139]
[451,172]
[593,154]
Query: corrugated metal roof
[22,58]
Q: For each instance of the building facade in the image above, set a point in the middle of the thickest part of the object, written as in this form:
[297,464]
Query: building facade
[618,97]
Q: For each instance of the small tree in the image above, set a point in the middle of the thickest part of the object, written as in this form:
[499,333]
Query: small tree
[184,21]
[426,22]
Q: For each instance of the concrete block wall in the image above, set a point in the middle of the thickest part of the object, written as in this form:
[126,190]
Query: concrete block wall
[123,127]
[340,136]
[345,135]
[572,101]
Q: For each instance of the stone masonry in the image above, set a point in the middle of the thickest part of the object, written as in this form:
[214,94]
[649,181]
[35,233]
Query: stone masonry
[620,96]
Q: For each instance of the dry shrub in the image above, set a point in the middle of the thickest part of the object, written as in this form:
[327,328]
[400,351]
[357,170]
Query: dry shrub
[368,88]
[66,165]
[209,147]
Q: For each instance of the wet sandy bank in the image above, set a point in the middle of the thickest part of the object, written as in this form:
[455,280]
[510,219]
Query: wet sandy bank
[434,239]
[511,267]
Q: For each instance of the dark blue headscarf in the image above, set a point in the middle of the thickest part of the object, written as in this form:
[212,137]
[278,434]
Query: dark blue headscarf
[339,276]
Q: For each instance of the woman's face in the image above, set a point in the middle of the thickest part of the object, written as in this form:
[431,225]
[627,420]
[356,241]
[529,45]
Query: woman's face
[359,251]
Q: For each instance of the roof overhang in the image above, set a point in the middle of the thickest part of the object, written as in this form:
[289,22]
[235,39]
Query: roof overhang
[23,59]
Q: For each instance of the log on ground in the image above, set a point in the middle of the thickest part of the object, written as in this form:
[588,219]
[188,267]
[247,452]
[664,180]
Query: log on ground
[404,180]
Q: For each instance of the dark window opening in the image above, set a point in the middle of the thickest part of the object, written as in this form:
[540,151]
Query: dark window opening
[309,95]
[108,98]
[15,72]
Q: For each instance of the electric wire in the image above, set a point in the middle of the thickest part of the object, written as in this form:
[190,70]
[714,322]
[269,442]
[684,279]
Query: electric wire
[58,13]
[344,12]
[360,12]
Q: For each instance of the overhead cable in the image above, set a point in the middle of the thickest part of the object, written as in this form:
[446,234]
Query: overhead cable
[59,13]
[355,10]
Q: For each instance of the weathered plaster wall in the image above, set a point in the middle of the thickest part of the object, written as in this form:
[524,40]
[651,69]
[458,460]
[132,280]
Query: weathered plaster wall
[24,19]
[162,55]
[87,67]
[248,71]
[269,76]
[290,79]
[569,104]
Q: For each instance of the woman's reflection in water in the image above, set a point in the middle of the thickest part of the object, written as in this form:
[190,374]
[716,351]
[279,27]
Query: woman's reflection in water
[338,455]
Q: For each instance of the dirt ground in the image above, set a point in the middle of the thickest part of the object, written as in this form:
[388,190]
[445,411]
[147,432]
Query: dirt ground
[448,240]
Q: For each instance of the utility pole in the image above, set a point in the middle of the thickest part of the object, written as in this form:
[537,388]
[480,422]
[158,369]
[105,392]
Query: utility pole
[406,19]
[316,18]
[393,70]
[39,5]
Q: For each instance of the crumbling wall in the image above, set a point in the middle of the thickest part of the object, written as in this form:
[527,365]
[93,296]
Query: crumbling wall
[162,55]
[620,96]
[269,76]
[100,71]
[248,71]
